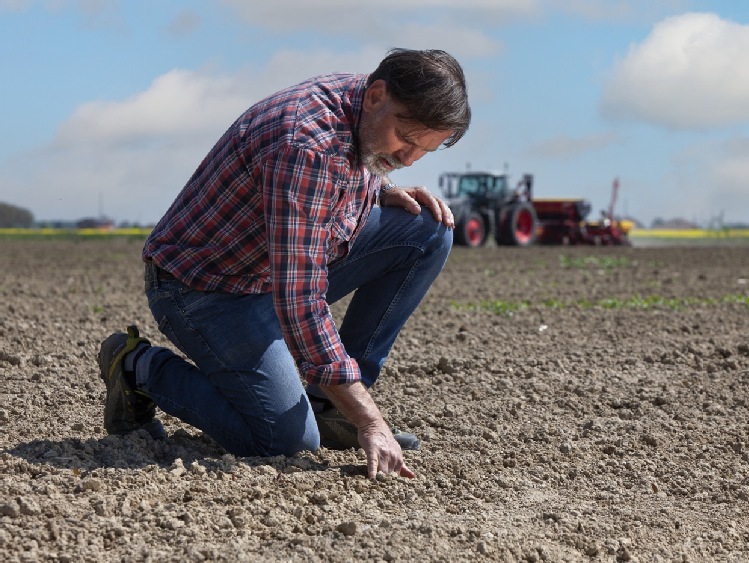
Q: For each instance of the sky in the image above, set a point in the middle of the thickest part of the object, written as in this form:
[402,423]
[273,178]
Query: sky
[108,106]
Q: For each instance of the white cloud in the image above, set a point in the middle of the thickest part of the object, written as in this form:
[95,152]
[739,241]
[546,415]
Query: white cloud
[134,154]
[14,5]
[454,39]
[85,6]
[137,153]
[180,102]
[185,104]
[619,10]
[689,73]
[287,66]
[460,28]
[342,17]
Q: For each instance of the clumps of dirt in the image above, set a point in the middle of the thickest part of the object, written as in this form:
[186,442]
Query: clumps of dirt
[574,404]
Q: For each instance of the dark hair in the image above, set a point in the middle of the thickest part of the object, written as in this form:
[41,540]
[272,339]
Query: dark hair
[432,87]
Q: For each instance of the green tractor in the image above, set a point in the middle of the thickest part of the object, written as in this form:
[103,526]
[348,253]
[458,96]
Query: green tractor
[485,205]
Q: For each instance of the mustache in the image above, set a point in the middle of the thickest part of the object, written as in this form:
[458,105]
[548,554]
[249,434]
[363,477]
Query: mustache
[392,161]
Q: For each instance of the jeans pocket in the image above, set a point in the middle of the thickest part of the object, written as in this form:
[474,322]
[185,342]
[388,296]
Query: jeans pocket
[194,300]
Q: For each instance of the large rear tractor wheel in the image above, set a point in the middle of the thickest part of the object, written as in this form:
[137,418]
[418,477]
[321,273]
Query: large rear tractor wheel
[517,226]
[471,231]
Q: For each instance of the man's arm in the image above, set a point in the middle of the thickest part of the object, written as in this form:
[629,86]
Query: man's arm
[298,202]
[356,404]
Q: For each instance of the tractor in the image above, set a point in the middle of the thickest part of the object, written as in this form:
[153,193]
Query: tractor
[485,205]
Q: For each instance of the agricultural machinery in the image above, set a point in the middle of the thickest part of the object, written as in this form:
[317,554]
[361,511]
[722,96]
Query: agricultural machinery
[485,205]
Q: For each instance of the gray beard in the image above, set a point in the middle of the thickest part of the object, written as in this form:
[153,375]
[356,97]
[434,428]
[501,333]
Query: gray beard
[372,163]
[370,158]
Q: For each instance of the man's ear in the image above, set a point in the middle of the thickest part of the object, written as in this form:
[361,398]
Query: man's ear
[375,96]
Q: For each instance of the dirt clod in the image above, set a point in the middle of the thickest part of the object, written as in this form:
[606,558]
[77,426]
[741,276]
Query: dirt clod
[593,412]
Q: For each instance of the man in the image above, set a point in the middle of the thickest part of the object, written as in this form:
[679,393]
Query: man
[278,221]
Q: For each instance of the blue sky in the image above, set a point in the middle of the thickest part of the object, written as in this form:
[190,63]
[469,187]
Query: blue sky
[109,105]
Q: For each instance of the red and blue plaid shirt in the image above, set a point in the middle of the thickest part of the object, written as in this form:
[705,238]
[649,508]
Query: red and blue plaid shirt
[280,196]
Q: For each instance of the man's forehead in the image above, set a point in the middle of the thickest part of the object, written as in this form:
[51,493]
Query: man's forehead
[412,130]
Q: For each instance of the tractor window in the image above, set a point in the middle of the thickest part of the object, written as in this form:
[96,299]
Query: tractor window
[485,184]
[475,185]
[469,185]
[500,185]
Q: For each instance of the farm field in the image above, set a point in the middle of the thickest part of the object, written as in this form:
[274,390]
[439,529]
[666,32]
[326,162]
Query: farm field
[574,404]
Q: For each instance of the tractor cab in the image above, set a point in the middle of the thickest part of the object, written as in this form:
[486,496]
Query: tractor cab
[478,186]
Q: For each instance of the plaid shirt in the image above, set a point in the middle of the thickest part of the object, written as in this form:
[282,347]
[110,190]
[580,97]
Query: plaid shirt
[280,196]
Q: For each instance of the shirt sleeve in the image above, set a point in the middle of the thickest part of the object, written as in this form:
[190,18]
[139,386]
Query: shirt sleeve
[301,199]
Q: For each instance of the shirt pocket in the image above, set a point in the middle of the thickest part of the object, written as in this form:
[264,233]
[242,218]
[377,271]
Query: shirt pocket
[343,218]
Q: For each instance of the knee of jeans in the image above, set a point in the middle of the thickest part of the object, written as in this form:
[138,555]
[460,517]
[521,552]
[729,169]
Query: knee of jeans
[285,443]
[293,443]
[447,240]
[439,235]
[295,430]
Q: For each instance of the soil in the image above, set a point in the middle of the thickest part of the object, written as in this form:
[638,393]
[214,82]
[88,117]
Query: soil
[574,404]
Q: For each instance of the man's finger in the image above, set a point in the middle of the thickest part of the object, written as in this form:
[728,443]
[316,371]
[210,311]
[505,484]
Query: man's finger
[373,463]
[434,205]
[406,472]
[413,206]
[447,214]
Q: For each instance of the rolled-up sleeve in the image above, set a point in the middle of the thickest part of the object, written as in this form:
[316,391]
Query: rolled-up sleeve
[302,195]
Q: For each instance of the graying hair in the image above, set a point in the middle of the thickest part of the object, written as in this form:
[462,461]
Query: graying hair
[432,87]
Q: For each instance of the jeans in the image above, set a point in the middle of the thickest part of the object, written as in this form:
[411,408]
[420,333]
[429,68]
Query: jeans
[242,386]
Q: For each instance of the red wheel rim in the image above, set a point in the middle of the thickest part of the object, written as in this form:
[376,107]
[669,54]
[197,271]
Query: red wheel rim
[524,227]
[474,232]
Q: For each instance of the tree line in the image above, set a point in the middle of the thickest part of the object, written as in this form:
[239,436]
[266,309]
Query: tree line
[15,217]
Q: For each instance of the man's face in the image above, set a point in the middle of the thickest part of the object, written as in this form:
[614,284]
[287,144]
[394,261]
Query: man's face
[388,142]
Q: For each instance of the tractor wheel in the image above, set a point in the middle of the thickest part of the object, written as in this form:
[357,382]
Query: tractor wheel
[471,231]
[517,226]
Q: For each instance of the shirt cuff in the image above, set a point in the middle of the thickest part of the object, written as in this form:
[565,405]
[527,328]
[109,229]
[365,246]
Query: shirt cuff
[337,373]
[384,188]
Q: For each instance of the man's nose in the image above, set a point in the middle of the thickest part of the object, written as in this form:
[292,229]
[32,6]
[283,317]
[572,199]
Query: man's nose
[409,155]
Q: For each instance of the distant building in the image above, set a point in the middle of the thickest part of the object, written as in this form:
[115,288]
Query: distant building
[103,223]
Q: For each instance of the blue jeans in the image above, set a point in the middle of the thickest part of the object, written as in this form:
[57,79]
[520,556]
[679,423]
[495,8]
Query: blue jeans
[242,386]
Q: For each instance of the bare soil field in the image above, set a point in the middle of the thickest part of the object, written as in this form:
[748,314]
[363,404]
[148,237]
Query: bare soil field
[574,404]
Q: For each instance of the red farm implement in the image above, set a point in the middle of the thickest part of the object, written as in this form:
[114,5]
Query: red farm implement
[562,221]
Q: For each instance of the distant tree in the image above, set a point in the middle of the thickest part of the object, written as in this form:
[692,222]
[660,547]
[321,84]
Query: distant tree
[15,217]
[657,222]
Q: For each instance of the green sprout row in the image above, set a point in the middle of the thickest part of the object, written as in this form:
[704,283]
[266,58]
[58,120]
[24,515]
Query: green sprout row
[508,308]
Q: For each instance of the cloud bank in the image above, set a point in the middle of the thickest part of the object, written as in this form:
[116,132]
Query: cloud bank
[132,156]
[689,73]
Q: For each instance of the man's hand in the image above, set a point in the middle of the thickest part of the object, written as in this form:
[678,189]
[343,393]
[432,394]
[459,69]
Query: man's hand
[375,437]
[383,452]
[413,198]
